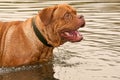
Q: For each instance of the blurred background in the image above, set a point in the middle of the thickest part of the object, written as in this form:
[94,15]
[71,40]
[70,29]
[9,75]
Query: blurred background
[96,57]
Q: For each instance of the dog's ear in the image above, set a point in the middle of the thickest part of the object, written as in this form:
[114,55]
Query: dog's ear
[47,14]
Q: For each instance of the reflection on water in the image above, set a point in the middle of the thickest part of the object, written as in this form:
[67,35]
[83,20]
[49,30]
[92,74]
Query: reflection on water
[97,57]
[36,72]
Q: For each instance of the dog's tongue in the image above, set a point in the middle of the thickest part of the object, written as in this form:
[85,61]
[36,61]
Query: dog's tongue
[73,36]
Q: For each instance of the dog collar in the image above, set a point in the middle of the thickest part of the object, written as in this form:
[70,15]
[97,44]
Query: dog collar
[39,35]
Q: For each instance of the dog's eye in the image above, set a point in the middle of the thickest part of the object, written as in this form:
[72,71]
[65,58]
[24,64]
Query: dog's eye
[68,16]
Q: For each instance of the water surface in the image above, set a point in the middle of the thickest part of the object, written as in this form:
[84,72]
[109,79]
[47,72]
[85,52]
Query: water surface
[97,57]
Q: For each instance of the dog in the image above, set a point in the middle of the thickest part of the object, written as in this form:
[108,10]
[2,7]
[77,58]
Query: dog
[33,40]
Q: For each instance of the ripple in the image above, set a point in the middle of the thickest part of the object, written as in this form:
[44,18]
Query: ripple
[94,69]
[117,77]
[104,59]
[96,57]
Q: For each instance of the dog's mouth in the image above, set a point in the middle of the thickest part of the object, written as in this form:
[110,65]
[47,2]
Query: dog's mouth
[72,36]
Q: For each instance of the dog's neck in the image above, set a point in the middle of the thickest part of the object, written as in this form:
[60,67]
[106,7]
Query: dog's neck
[48,32]
[39,35]
[43,52]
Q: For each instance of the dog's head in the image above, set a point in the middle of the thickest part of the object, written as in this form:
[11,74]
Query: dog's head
[61,24]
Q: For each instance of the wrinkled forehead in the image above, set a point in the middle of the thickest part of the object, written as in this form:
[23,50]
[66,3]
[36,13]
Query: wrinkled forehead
[66,8]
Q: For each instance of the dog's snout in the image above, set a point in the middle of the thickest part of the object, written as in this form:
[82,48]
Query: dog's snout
[81,20]
[80,16]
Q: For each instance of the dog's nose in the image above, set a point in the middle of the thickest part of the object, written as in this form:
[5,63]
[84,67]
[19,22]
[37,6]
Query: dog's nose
[80,16]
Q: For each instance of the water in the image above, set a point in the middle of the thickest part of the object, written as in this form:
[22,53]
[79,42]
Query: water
[97,57]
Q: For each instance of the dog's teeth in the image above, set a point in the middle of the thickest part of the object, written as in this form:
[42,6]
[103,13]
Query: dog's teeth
[67,33]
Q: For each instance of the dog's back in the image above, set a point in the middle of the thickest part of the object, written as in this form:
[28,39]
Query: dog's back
[4,27]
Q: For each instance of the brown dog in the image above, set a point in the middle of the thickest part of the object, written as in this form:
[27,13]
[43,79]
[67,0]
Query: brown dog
[33,40]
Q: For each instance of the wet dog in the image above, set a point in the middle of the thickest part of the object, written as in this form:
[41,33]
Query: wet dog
[33,40]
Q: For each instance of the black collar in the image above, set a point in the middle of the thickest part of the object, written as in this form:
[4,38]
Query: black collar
[39,35]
